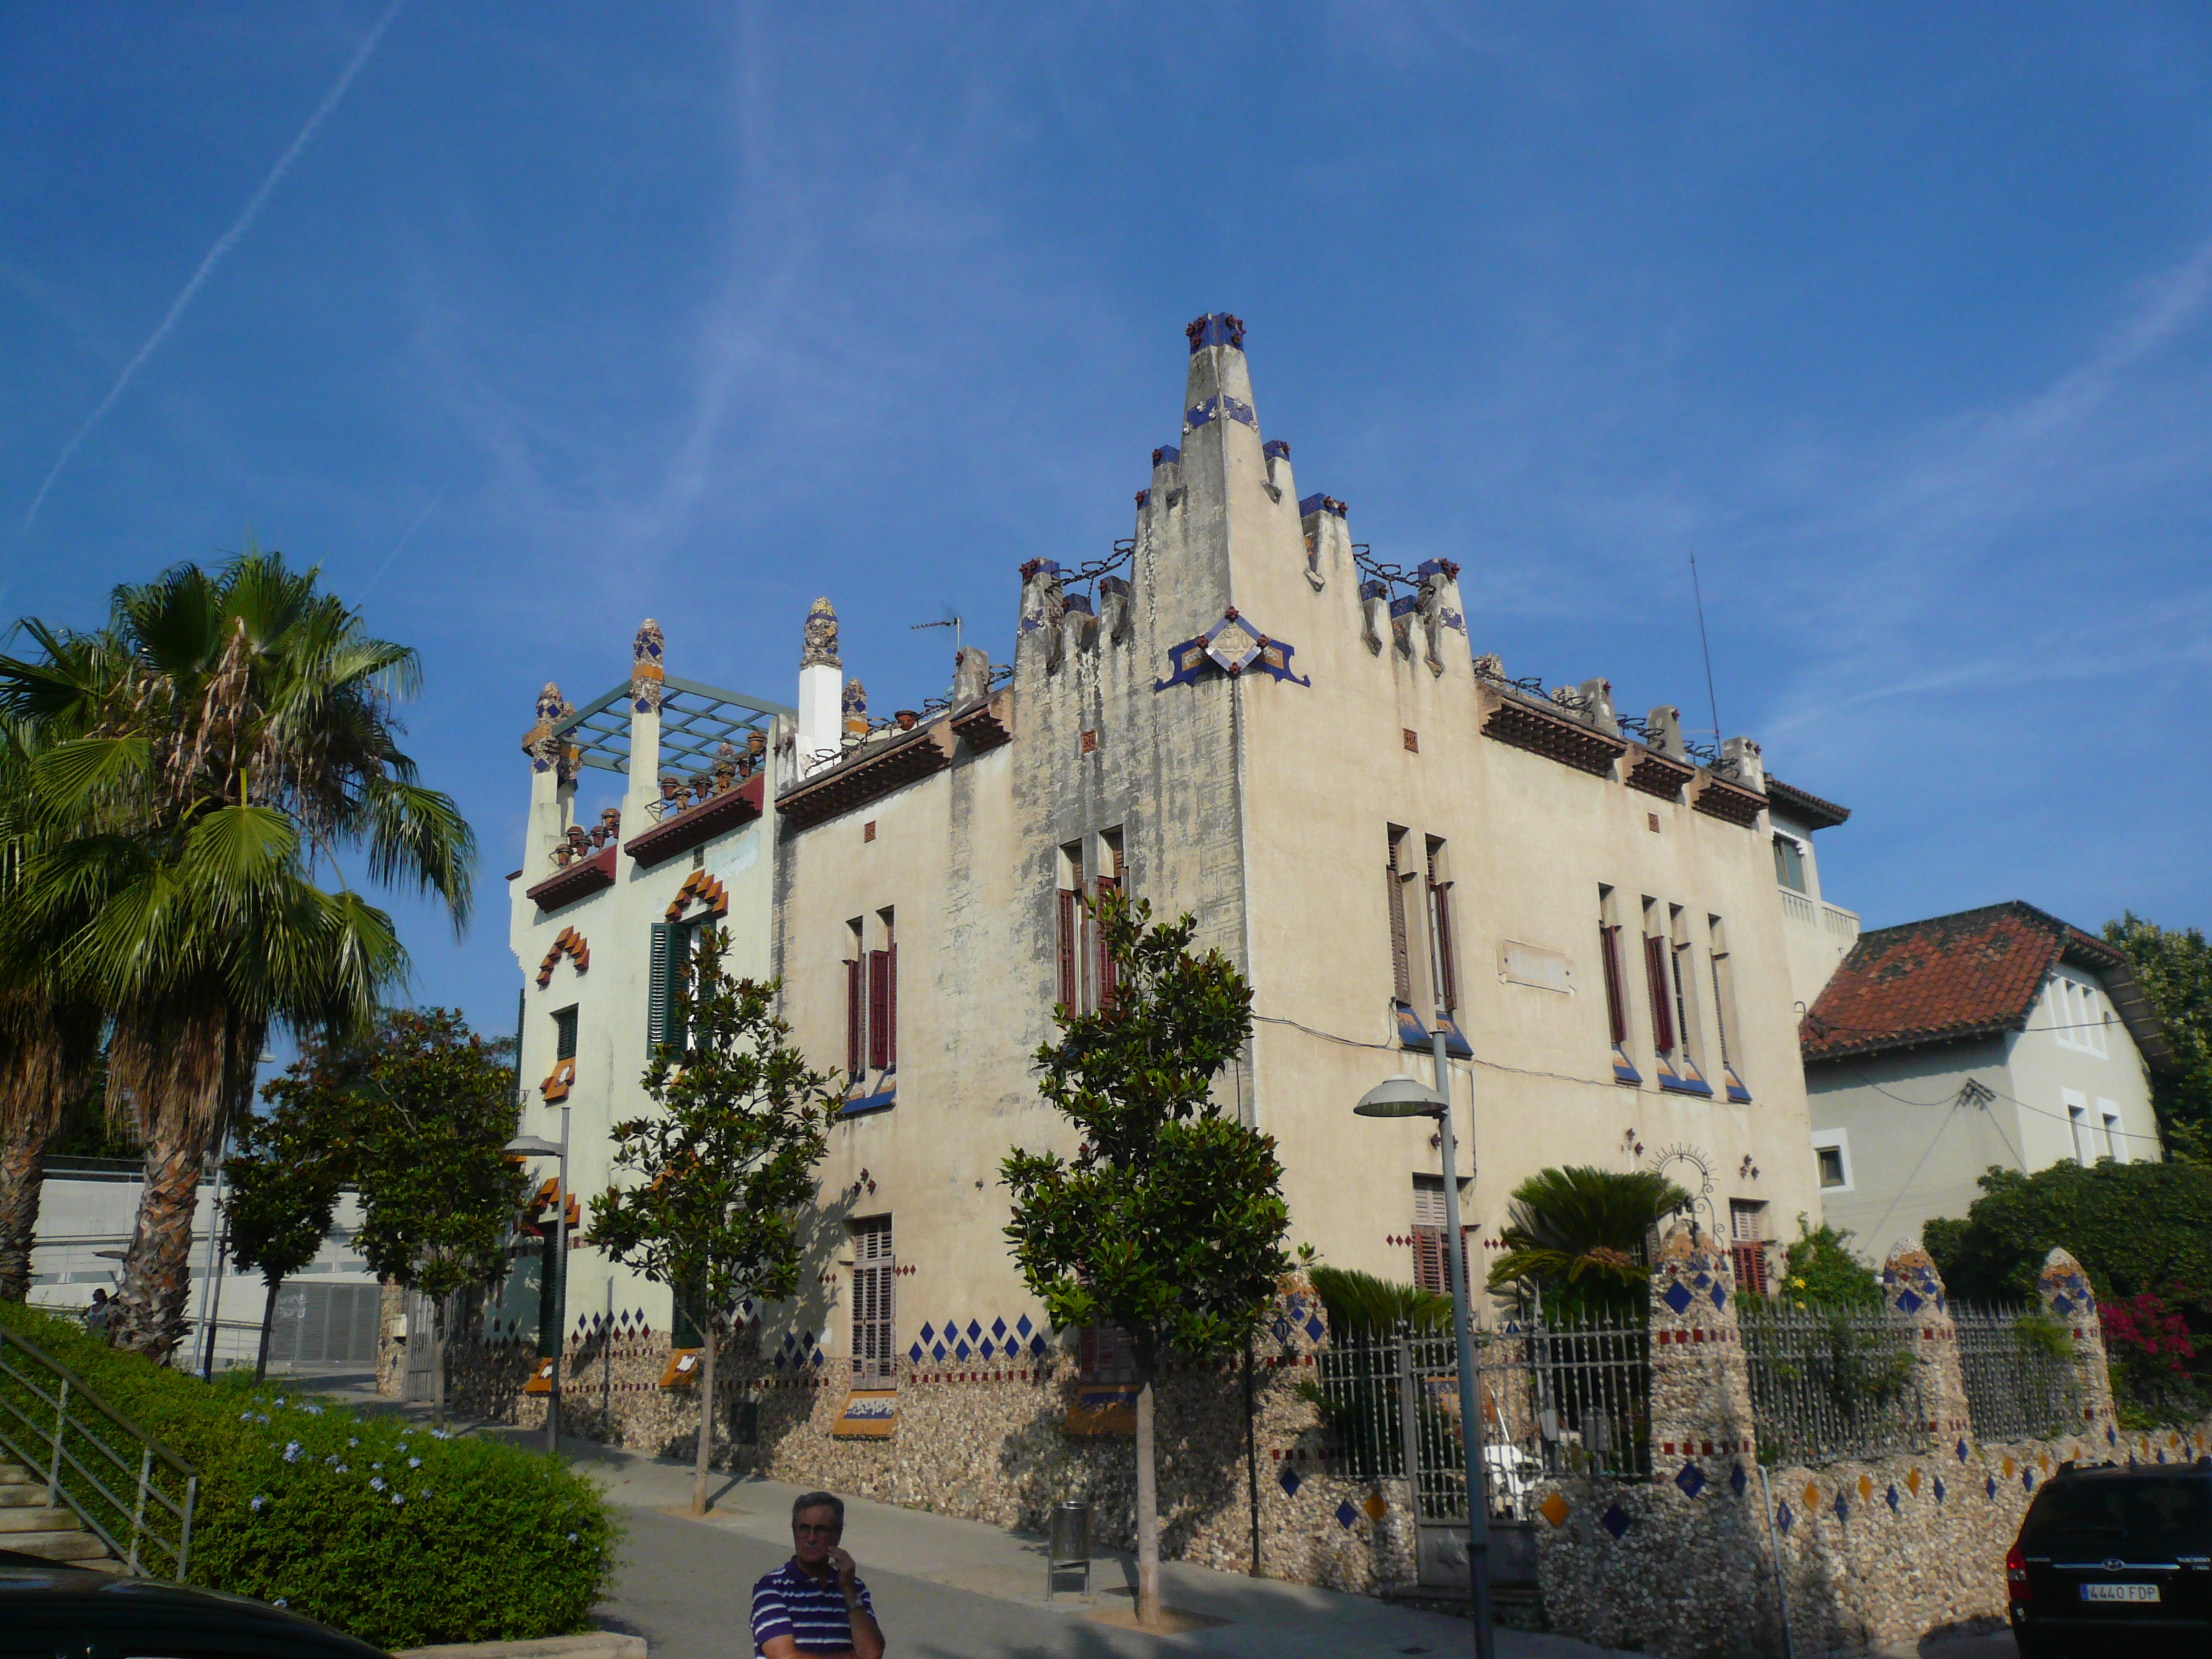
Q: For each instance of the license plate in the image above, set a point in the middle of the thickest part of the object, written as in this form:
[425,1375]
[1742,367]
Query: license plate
[2119,1592]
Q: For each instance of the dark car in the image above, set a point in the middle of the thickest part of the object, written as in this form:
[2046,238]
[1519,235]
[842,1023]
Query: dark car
[56,1611]
[2112,1559]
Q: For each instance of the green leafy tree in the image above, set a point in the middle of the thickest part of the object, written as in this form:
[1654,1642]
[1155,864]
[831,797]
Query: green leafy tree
[203,756]
[2174,968]
[285,1170]
[434,1111]
[2137,1229]
[1819,1270]
[1576,1235]
[1167,1223]
[724,1171]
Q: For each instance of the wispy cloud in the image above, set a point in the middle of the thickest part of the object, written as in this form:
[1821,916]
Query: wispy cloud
[223,244]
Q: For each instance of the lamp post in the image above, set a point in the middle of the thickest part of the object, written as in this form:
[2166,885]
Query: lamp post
[557,1265]
[1405,1096]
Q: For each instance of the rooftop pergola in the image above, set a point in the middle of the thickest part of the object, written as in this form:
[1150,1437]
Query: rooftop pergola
[694,720]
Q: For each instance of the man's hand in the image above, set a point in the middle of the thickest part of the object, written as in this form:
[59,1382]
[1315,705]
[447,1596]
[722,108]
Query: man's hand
[841,1563]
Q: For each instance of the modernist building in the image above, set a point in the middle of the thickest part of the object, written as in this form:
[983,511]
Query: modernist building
[1237,712]
[2000,1038]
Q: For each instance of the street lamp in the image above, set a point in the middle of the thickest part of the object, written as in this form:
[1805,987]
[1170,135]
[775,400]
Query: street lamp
[1405,1096]
[557,1265]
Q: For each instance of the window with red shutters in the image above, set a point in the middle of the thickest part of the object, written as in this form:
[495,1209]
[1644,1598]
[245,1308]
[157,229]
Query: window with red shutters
[1101,959]
[1070,951]
[879,1008]
[855,1018]
[1401,960]
[1662,1000]
[1616,999]
[891,1005]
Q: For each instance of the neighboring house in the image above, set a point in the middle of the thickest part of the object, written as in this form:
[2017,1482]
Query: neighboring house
[1818,935]
[2000,1035]
[326,1314]
[1240,714]
[605,913]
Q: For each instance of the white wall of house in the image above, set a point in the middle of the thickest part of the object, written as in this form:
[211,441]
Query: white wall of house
[1816,935]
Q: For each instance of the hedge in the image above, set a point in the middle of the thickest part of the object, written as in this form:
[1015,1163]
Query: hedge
[394,1532]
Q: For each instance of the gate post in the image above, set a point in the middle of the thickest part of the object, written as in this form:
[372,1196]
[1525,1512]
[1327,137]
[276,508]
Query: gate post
[1913,1291]
[1700,1384]
[2067,1296]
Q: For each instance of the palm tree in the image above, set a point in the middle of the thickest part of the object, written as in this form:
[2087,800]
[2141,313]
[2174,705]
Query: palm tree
[224,739]
[1566,1226]
[48,1037]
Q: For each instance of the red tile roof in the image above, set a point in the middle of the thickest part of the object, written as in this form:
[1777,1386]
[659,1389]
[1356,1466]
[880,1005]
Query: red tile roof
[1969,974]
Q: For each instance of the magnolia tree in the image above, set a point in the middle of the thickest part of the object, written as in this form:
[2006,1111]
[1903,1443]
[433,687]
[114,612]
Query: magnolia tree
[285,1170]
[723,1172]
[1167,1223]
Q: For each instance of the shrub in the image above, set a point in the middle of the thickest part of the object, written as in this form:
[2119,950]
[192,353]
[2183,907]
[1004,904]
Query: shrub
[1819,1270]
[395,1533]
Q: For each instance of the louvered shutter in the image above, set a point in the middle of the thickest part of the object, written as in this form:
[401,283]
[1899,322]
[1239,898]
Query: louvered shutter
[1750,1263]
[1103,957]
[890,1006]
[1429,1258]
[855,1022]
[1662,1010]
[1402,965]
[656,998]
[1447,970]
[1068,951]
[1616,1001]
[879,1017]
[874,1280]
[1720,1010]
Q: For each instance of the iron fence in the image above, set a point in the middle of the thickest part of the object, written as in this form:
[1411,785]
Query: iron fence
[1560,1397]
[2017,1363]
[1828,1383]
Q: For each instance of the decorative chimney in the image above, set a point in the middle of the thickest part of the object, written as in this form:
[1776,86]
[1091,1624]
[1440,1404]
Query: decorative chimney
[971,674]
[856,709]
[552,784]
[821,689]
[647,676]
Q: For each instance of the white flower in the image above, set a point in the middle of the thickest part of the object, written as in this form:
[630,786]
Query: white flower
[439,1434]
[280,1401]
[425,1493]
[376,1465]
[291,1452]
[247,1417]
[280,1603]
[313,1411]
[354,1440]
[572,1536]
[417,1462]
[344,1470]
[331,1462]
[259,1504]
[397,1498]
[376,1483]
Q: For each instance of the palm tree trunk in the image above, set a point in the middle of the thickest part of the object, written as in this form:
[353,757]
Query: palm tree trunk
[268,1325]
[1148,1502]
[157,1267]
[706,1450]
[22,1181]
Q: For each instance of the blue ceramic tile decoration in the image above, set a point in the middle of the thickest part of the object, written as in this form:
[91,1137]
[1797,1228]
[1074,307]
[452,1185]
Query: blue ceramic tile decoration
[1692,1479]
[1289,1481]
[1616,1522]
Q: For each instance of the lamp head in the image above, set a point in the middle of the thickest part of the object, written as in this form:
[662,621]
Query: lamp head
[1401,1096]
[534,1146]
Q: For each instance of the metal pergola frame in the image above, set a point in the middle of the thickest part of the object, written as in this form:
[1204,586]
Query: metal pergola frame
[694,719]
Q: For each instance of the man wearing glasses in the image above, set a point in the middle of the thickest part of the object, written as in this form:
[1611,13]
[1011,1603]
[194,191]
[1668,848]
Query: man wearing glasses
[815,1604]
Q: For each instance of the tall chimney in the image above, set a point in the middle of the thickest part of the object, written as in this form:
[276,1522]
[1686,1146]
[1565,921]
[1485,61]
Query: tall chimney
[821,690]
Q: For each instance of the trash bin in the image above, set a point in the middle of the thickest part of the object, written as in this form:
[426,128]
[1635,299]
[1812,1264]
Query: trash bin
[1068,1549]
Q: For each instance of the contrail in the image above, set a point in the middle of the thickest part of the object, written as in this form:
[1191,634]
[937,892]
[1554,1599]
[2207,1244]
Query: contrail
[420,519]
[223,245]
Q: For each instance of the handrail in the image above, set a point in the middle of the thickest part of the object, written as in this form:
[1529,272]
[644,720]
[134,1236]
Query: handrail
[57,1456]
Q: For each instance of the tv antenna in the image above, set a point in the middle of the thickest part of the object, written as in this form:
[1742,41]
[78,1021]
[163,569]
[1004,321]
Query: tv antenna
[953,623]
[1712,702]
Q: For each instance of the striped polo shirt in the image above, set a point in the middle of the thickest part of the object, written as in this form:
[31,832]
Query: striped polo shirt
[810,1610]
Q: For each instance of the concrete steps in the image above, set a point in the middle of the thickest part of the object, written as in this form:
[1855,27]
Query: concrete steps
[29,1525]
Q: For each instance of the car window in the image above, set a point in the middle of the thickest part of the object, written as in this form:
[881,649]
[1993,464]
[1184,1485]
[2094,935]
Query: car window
[2124,1506]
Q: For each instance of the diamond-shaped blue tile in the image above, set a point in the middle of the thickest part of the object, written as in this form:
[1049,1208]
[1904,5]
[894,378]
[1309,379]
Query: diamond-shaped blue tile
[1289,1481]
[975,1329]
[1843,1508]
[1719,1294]
[1939,1488]
[1282,1329]
[1891,1498]
[817,1361]
[1692,1479]
[936,1352]
[1737,1480]
[1022,1325]
[778,1362]
[987,1347]
[1702,1280]
[914,1353]
[1989,1485]
[2028,1479]
[1616,1522]
[789,1341]
[1782,1517]
[2161,1454]
[1910,1301]
[2111,1435]
[1962,1451]
[1036,1345]
[999,1329]
[1314,1329]
[1345,1515]
[1678,1298]
[928,1334]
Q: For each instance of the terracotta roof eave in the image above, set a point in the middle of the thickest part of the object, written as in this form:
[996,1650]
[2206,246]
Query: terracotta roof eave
[1817,813]
[1817,1050]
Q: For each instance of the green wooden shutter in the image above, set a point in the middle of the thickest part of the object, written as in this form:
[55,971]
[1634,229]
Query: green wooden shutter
[656,1007]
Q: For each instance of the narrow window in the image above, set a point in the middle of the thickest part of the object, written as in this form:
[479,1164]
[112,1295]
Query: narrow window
[1748,1244]
[1661,995]
[856,1002]
[882,995]
[1616,988]
[1429,1229]
[1401,961]
[1688,1027]
[1069,899]
[564,1033]
[1831,1165]
[2077,1118]
[1789,863]
[875,1278]
[669,981]
[1443,972]
[2116,1139]
[1102,980]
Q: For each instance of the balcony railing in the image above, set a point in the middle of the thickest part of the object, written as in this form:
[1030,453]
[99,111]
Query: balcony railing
[1797,908]
[1843,925]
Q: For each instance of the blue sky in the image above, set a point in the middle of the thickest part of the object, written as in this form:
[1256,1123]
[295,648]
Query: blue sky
[565,315]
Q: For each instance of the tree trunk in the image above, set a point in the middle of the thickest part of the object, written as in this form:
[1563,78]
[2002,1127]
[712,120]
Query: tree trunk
[268,1325]
[23,1181]
[1148,1506]
[706,1421]
[438,1361]
[157,1267]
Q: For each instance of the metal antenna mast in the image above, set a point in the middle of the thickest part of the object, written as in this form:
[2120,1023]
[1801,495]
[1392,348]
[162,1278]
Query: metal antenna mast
[953,623]
[1712,702]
